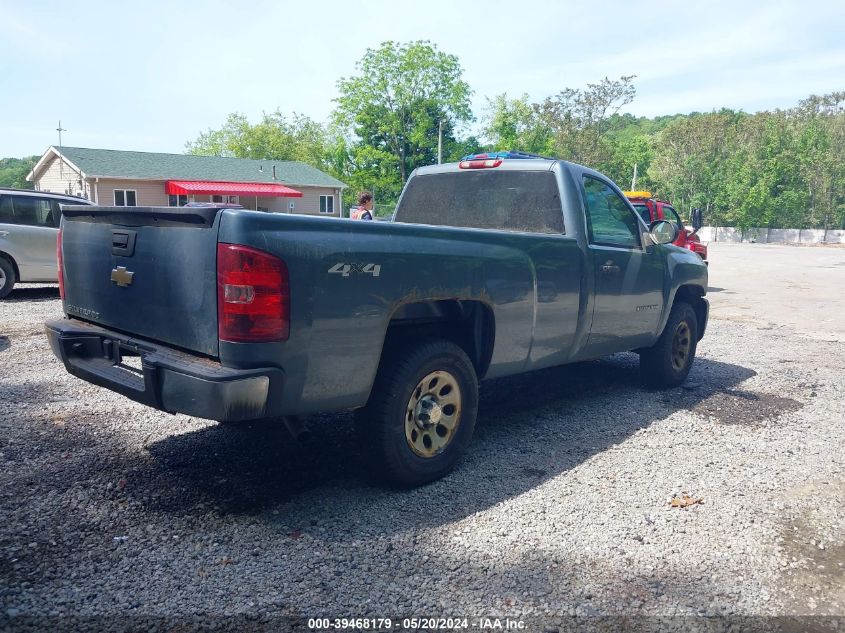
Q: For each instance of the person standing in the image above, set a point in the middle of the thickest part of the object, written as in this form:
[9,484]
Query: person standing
[365,207]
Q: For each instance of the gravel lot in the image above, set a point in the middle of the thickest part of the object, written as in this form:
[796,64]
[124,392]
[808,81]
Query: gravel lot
[113,512]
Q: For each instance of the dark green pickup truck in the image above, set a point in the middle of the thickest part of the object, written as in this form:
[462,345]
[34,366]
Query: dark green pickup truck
[490,267]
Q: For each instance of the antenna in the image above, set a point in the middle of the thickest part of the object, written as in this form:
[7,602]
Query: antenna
[60,129]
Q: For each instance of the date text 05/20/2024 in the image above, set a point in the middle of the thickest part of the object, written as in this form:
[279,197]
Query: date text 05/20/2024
[415,624]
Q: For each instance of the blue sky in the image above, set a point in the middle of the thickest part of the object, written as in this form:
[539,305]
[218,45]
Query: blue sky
[151,75]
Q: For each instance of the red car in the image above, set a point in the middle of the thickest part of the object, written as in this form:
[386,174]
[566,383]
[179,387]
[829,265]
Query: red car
[652,209]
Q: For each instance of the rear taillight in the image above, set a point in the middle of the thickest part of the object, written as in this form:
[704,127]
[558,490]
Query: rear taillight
[61,268]
[253,295]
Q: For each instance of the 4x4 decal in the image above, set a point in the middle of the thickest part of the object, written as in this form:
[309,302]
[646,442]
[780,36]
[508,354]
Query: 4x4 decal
[346,270]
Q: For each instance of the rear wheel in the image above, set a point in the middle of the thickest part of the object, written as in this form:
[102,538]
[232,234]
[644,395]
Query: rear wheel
[668,362]
[7,277]
[421,413]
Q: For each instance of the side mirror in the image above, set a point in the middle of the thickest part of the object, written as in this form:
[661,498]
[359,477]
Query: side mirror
[662,232]
[697,218]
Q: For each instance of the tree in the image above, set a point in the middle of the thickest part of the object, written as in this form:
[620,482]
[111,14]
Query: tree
[13,172]
[690,159]
[575,124]
[578,119]
[396,101]
[514,124]
[822,157]
[275,137]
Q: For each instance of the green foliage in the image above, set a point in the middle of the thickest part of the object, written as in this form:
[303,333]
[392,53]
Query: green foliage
[573,124]
[515,124]
[273,138]
[776,169]
[13,171]
[393,107]
[770,169]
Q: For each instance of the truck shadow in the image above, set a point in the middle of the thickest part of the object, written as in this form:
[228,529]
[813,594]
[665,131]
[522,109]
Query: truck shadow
[531,427]
[33,293]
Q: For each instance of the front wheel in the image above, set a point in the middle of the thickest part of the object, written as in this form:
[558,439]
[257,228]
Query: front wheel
[421,413]
[668,362]
[7,277]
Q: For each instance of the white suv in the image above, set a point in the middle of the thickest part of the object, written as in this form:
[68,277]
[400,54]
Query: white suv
[29,222]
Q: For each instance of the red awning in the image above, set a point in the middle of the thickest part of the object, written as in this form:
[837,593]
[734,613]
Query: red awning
[260,189]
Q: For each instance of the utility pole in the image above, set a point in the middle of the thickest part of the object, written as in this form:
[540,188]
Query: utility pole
[634,179]
[440,141]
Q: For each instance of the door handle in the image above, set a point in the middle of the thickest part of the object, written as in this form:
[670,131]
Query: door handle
[4,233]
[610,268]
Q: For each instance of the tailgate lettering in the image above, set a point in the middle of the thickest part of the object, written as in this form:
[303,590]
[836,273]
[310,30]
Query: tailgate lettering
[346,270]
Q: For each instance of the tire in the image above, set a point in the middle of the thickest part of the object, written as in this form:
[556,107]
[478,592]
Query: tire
[668,362]
[421,413]
[7,277]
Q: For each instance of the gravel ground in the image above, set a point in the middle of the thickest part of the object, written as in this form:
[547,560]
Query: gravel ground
[113,512]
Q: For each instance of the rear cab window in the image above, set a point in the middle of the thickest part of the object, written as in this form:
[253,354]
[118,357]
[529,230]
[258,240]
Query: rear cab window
[506,200]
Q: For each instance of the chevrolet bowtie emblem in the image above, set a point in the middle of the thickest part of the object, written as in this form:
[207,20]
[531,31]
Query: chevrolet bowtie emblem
[121,276]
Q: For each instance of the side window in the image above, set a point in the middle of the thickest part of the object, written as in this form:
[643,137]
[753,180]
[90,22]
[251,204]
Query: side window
[610,221]
[670,214]
[57,212]
[644,213]
[33,211]
[7,215]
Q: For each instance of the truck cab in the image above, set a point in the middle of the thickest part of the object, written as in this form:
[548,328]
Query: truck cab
[652,209]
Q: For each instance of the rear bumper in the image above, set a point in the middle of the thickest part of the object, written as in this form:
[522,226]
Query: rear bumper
[168,379]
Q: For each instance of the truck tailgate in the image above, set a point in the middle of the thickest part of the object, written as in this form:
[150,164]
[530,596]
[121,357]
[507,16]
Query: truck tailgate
[146,271]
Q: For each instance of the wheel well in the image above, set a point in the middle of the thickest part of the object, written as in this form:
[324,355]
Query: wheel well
[14,264]
[468,324]
[694,295]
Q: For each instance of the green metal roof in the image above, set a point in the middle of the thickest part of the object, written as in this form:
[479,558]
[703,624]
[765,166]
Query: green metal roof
[111,163]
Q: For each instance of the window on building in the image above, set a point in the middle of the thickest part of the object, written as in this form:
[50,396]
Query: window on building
[610,221]
[177,201]
[125,198]
[326,204]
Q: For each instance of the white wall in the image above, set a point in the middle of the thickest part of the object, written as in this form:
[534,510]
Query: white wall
[762,235]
